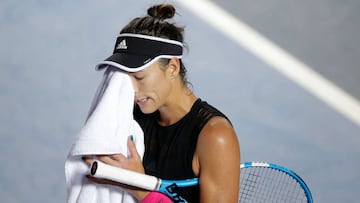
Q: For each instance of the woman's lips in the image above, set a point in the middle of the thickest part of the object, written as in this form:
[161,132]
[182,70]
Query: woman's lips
[142,101]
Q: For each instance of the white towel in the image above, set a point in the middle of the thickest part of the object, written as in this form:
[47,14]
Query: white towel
[109,124]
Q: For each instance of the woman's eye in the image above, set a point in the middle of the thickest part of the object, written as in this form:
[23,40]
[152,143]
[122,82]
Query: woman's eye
[138,78]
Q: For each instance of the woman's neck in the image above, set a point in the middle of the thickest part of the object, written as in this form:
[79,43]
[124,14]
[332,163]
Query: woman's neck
[176,107]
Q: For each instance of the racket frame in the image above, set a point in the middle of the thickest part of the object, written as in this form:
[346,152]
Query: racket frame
[284,170]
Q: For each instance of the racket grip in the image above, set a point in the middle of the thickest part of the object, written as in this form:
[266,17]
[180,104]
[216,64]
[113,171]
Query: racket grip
[99,169]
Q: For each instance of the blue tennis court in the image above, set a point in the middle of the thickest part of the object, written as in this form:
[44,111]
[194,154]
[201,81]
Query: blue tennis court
[47,81]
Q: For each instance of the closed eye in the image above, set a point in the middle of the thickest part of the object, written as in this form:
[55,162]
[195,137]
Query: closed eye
[138,78]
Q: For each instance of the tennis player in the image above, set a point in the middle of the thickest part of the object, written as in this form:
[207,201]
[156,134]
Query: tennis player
[185,137]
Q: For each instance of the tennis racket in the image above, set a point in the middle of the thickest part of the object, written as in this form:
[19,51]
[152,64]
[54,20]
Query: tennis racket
[259,182]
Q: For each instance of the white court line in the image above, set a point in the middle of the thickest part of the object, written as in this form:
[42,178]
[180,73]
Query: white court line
[276,57]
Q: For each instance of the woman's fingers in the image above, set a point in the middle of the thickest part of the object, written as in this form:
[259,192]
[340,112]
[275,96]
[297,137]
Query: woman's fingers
[88,160]
[132,162]
[132,149]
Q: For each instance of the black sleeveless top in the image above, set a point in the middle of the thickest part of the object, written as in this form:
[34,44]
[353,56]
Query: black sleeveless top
[169,150]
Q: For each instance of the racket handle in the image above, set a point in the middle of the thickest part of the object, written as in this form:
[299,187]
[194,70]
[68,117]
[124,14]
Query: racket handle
[101,170]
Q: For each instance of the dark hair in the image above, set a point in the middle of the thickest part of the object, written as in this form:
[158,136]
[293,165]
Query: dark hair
[156,24]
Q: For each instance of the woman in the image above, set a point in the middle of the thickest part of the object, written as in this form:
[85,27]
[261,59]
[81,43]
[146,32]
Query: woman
[184,136]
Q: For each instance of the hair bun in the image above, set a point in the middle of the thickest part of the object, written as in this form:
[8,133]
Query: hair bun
[162,11]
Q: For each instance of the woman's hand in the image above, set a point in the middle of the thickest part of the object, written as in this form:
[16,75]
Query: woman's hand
[133,163]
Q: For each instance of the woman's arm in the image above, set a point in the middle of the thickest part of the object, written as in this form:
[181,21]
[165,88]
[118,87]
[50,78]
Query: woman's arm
[218,160]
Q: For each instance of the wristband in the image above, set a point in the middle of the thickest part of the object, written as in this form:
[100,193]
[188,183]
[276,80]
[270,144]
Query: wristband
[156,197]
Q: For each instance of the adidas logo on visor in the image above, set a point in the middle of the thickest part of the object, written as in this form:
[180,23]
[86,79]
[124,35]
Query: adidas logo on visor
[122,45]
[135,52]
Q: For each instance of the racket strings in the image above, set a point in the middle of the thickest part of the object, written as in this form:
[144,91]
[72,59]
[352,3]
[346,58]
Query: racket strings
[263,184]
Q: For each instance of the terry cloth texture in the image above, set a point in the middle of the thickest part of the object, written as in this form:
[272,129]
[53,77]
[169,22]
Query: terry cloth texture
[106,131]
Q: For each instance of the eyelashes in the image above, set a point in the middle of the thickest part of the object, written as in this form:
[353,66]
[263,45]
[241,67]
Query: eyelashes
[139,78]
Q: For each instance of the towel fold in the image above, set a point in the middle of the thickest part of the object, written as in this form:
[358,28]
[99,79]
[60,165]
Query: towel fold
[109,124]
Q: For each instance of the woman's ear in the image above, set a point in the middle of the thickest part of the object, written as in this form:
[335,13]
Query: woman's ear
[174,67]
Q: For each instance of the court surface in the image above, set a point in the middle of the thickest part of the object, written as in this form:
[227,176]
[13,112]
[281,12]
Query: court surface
[47,80]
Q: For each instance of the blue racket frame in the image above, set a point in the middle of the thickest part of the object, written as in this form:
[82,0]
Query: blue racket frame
[283,169]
